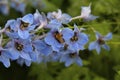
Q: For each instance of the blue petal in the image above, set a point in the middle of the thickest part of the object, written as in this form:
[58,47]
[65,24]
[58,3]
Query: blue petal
[67,34]
[105,46]
[20,61]
[23,34]
[76,29]
[50,40]
[54,24]
[98,48]
[30,28]
[90,17]
[68,62]
[78,61]
[5,61]
[34,56]
[21,7]
[92,45]
[63,58]
[27,62]
[98,35]
[82,39]
[28,18]
[42,47]
[65,18]
[25,56]
[108,36]
[14,54]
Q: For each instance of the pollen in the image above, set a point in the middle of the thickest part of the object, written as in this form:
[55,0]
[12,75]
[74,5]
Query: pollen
[100,41]
[58,37]
[23,25]
[74,38]
[18,46]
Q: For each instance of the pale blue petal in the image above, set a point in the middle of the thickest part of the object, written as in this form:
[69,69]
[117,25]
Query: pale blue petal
[67,34]
[54,24]
[5,61]
[28,18]
[90,17]
[98,48]
[34,56]
[68,62]
[63,58]
[20,61]
[82,39]
[50,40]
[25,56]
[78,60]
[21,7]
[76,29]
[98,35]
[92,45]
[65,18]
[32,27]
[105,46]
[23,34]
[27,62]
[108,36]
[14,54]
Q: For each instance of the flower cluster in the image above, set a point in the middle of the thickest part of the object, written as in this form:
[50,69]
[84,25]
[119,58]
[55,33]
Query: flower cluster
[58,43]
[18,5]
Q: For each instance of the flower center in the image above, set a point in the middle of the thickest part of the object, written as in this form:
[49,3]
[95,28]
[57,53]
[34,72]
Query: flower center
[72,55]
[100,41]
[8,29]
[18,46]
[58,37]
[23,25]
[75,37]
[65,47]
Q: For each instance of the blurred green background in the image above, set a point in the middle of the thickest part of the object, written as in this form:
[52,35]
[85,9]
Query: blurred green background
[105,66]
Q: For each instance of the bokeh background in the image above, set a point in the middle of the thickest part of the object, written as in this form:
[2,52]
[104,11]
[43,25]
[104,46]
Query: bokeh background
[105,66]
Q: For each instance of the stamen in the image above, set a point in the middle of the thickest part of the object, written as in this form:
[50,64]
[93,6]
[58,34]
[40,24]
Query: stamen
[58,37]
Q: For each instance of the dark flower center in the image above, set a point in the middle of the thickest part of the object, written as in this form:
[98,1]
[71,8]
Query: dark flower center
[18,46]
[65,46]
[8,29]
[23,25]
[58,37]
[75,37]
[72,55]
[101,41]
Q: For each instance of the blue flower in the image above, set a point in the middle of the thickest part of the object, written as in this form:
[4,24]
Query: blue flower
[55,40]
[70,57]
[4,8]
[24,26]
[62,18]
[42,47]
[19,48]
[11,29]
[100,42]
[5,57]
[74,39]
[40,20]
[85,14]
[18,5]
